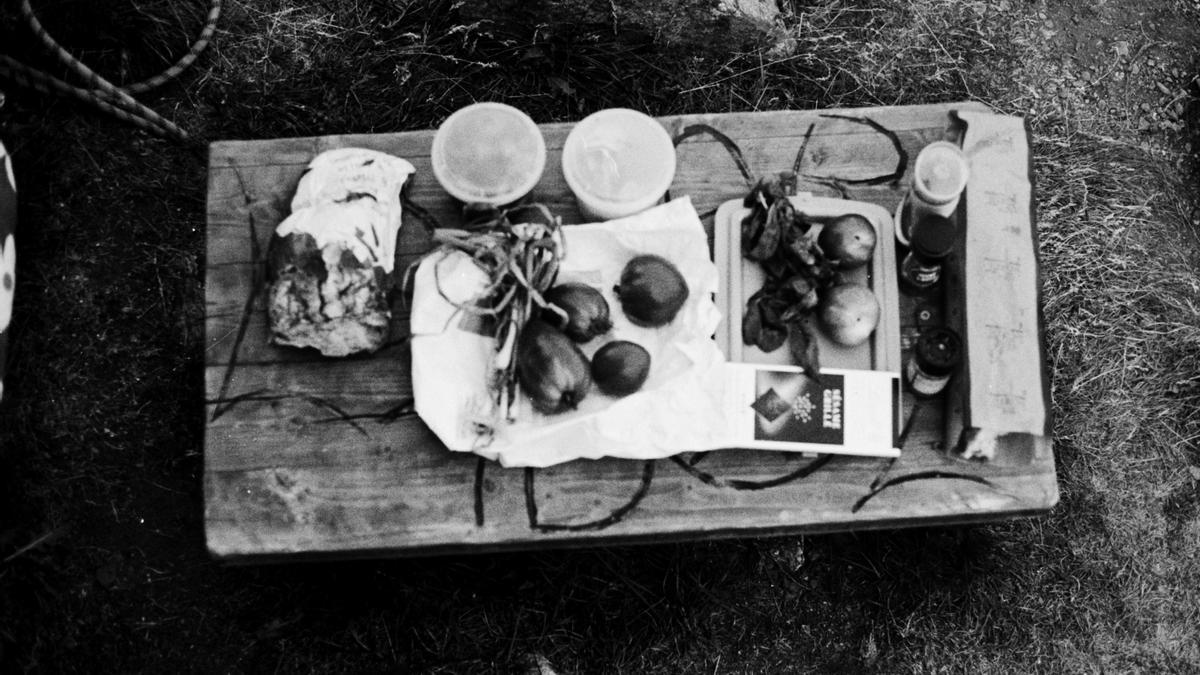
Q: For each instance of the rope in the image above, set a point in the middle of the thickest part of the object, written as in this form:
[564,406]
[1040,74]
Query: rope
[101,93]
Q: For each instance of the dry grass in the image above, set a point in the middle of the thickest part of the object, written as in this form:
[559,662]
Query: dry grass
[100,443]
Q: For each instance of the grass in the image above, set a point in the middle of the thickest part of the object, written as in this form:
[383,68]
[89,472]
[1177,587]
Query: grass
[102,566]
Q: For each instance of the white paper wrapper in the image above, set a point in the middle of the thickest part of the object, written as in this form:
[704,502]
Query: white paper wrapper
[678,409]
[342,177]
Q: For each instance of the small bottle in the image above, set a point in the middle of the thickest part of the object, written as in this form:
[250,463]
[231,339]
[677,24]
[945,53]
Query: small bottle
[933,240]
[940,174]
[933,361]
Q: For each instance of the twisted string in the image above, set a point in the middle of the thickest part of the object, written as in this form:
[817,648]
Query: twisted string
[30,78]
[101,93]
[176,69]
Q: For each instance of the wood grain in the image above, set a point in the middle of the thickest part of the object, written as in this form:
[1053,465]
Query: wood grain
[310,457]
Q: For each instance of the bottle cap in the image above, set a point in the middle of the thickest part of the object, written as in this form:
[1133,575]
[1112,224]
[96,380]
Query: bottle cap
[938,351]
[933,236]
[940,172]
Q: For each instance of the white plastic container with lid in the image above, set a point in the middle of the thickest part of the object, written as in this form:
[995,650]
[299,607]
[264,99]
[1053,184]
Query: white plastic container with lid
[488,153]
[618,162]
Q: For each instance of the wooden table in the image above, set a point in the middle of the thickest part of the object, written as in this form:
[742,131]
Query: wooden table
[313,457]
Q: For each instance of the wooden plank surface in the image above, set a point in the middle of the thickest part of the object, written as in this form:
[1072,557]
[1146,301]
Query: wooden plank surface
[307,456]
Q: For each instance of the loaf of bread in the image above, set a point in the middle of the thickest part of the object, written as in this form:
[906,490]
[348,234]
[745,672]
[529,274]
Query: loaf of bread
[330,261]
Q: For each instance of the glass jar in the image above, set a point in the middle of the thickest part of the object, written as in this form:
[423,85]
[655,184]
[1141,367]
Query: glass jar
[933,239]
[933,361]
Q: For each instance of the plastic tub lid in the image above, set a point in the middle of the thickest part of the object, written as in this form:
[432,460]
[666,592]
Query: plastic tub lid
[488,153]
[940,172]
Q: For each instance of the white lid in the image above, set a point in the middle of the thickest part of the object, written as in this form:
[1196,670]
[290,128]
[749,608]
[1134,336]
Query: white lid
[488,153]
[940,172]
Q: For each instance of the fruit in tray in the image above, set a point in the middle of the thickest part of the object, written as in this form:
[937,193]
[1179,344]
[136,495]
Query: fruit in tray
[651,291]
[579,310]
[847,242]
[849,313]
[803,268]
[620,367]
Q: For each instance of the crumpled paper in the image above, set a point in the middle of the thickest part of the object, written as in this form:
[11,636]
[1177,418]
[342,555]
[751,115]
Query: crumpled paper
[678,409]
[333,187]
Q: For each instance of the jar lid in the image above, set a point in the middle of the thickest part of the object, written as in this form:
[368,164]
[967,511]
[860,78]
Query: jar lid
[933,236]
[488,153]
[938,351]
[940,172]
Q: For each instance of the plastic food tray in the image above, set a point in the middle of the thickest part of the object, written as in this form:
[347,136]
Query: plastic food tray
[741,278]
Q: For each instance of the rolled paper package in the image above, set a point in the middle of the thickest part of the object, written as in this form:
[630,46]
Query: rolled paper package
[329,261]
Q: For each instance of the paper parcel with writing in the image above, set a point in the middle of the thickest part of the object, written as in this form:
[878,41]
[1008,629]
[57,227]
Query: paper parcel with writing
[1002,246]
[691,401]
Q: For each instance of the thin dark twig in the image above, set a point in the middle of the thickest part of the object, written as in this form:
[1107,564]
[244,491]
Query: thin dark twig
[901,154]
[883,472]
[803,148]
[342,415]
[730,146]
[923,475]
[802,472]
[900,441]
[480,466]
[612,518]
[834,183]
[739,484]
[385,417]
[531,509]
[404,408]
[257,278]
[256,395]
[428,221]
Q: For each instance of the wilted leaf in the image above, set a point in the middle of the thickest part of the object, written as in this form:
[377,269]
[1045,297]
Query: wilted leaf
[752,229]
[820,272]
[771,338]
[802,342]
[773,308]
[803,249]
[773,331]
[751,323]
[793,313]
[781,185]
[776,267]
[799,285]
[762,248]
